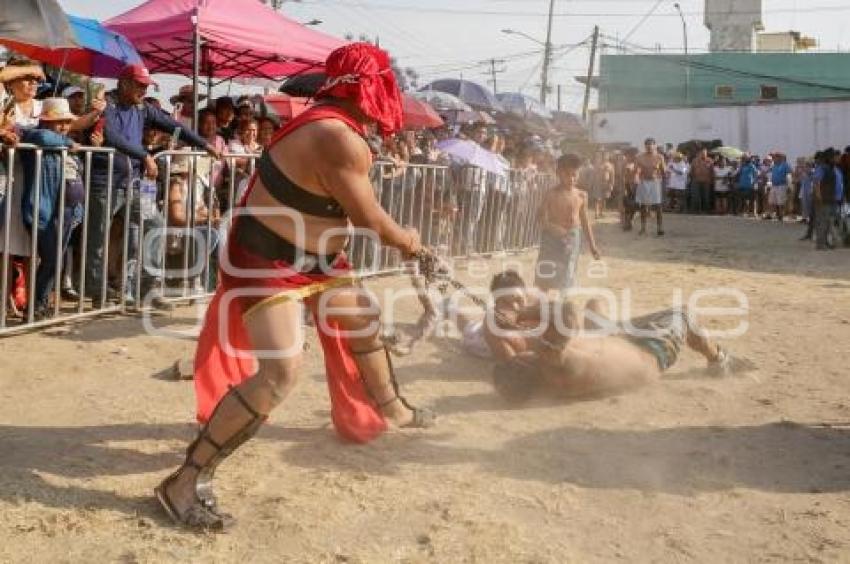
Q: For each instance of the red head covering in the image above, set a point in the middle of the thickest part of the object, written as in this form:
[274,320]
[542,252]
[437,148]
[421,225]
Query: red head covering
[361,72]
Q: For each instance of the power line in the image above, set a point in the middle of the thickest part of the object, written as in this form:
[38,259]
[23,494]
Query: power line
[642,21]
[471,12]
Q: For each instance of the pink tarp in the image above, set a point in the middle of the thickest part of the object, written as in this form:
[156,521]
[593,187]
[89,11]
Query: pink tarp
[241,38]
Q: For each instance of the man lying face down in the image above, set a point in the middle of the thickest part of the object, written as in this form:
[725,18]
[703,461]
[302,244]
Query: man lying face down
[571,363]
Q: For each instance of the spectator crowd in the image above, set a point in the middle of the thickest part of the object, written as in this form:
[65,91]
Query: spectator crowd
[126,223]
[705,182]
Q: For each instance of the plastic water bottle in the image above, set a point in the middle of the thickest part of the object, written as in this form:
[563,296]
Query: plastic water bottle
[147,197]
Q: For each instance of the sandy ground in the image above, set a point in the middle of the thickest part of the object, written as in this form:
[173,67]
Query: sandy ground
[747,469]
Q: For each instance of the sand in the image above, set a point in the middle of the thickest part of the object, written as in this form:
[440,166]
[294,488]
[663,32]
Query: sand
[745,469]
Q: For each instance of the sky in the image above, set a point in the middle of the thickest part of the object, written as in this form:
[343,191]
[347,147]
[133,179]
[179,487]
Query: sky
[454,38]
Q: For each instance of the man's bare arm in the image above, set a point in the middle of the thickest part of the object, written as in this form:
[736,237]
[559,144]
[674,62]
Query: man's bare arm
[343,172]
[588,230]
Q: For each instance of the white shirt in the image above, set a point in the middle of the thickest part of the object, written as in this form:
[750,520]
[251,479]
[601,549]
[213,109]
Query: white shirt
[721,182]
[28,121]
[236,147]
[678,175]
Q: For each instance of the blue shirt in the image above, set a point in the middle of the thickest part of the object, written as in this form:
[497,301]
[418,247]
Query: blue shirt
[748,176]
[819,174]
[779,175]
[123,128]
[51,176]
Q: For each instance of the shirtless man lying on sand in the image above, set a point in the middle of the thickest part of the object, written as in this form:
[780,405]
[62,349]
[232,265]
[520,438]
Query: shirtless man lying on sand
[579,365]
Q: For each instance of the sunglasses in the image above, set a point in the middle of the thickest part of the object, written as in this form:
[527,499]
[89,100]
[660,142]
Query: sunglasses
[35,79]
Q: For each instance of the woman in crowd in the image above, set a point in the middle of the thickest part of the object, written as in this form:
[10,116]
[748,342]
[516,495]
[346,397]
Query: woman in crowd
[188,210]
[267,128]
[722,181]
[21,77]
[245,143]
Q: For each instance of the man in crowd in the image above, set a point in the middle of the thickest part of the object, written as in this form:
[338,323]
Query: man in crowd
[677,181]
[747,180]
[601,182]
[762,203]
[780,182]
[844,163]
[184,105]
[828,194]
[648,197]
[76,99]
[631,179]
[225,117]
[123,126]
[702,181]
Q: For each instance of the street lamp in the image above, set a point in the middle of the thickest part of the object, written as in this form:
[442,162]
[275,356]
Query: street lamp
[523,34]
[687,62]
[684,24]
[547,56]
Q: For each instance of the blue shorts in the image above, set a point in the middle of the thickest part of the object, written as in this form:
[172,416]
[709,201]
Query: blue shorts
[557,261]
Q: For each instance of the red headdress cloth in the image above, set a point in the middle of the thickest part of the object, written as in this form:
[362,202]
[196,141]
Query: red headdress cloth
[361,72]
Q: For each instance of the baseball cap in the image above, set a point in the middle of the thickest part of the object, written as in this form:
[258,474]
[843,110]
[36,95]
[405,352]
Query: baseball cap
[139,73]
[69,91]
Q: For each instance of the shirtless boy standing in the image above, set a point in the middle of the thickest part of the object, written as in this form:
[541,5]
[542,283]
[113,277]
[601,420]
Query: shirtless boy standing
[563,215]
[648,197]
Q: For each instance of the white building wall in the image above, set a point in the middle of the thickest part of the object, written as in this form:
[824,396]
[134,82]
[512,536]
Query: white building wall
[797,129]
[733,24]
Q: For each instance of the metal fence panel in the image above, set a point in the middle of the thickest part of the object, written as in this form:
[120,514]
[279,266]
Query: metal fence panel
[458,211]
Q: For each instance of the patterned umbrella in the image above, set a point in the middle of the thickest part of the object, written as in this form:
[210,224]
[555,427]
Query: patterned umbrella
[442,101]
[523,105]
[466,152]
[472,93]
[97,51]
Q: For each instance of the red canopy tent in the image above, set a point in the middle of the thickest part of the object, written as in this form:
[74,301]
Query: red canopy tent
[417,114]
[237,38]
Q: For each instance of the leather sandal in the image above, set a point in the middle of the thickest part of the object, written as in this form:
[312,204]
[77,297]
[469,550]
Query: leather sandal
[422,418]
[204,513]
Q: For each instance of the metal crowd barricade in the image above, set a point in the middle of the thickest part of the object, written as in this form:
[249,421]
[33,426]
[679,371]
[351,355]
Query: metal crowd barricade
[12,213]
[191,273]
[459,211]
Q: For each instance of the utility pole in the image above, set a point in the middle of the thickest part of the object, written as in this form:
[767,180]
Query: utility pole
[559,97]
[590,68]
[547,56]
[494,71]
